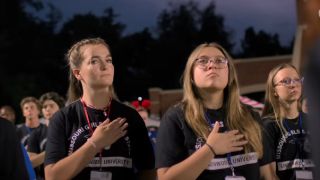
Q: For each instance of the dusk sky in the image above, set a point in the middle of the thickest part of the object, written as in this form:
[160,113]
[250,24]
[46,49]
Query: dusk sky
[272,16]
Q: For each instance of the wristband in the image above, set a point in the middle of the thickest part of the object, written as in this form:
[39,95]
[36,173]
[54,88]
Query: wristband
[92,143]
[211,148]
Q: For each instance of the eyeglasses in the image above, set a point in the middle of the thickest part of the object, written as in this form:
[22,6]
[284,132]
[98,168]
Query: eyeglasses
[288,82]
[219,62]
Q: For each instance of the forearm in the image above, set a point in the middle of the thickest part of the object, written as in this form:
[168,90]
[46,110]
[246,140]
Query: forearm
[190,168]
[36,159]
[267,172]
[71,165]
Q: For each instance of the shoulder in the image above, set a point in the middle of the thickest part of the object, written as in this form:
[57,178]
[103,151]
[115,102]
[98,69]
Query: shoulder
[120,109]
[268,120]
[118,106]
[270,124]
[19,126]
[70,110]
[6,125]
[175,114]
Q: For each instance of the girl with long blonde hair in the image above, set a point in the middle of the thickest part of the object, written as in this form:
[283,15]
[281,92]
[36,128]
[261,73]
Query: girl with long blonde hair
[285,123]
[210,134]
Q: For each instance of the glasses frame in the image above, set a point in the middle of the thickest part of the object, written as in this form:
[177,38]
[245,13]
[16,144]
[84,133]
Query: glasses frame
[212,60]
[291,82]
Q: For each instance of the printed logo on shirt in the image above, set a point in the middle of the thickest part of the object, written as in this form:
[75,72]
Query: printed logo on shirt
[78,132]
[199,143]
[284,139]
[24,140]
[111,162]
[238,160]
[43,144]
[296,163]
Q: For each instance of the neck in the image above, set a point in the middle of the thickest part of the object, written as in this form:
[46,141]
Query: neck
[47,122]
[32,122]
[213,100]
[290,110]
[96,98]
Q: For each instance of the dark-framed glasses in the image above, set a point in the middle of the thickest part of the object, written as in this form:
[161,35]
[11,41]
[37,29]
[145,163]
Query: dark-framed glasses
[289,81]
[219,62]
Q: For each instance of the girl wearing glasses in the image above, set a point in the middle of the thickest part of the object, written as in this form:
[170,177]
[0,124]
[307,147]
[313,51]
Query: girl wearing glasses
[286,124]
[210,134]
[95,136]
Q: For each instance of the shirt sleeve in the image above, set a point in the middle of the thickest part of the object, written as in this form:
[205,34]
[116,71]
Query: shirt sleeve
[270,137]
[170,148]
[143,155]
[56,147]
[33,142]
[268,155]
[12,161]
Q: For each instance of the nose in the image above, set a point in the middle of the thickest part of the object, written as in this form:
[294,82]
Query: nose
[211,64]
[103,65]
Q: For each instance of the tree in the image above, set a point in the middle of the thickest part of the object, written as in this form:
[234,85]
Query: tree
[212,28]
[181,28]
[26,52]
[131,58]
[261,44]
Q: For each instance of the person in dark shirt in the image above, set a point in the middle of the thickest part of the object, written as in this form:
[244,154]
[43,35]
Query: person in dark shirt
[210,134]
[50,102]
[31,108]
[12,164]
[96,136]
[286,124]
[313,96]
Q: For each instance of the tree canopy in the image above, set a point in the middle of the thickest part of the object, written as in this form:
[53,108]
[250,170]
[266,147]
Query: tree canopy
[32,49]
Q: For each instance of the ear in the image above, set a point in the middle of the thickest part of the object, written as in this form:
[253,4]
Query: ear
[76,73]
[275,92]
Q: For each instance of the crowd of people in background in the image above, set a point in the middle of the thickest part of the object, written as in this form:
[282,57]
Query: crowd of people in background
[210,134]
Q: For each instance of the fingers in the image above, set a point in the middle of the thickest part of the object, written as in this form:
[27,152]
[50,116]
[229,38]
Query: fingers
[216,127]
[235,149]
[116,123]
[238,137]
[239,143]
[107,121]
[233,132]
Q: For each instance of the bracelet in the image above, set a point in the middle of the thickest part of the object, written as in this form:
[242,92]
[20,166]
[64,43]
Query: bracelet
[211,148]
[92,143]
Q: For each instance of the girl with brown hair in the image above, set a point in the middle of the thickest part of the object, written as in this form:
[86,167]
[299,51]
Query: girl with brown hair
[95,136]
[210,134]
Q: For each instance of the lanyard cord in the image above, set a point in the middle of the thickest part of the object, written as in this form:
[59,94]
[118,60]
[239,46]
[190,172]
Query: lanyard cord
[297,142]
[89,124]
[211,124]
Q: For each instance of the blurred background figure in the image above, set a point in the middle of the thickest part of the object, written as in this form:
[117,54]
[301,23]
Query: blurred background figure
[7,112]
[30,107]
[50,102]
[313,95]
[143,108]
[12,164]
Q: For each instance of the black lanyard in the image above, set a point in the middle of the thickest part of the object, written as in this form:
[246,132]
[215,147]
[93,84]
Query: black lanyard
[298,142]
[211,124]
